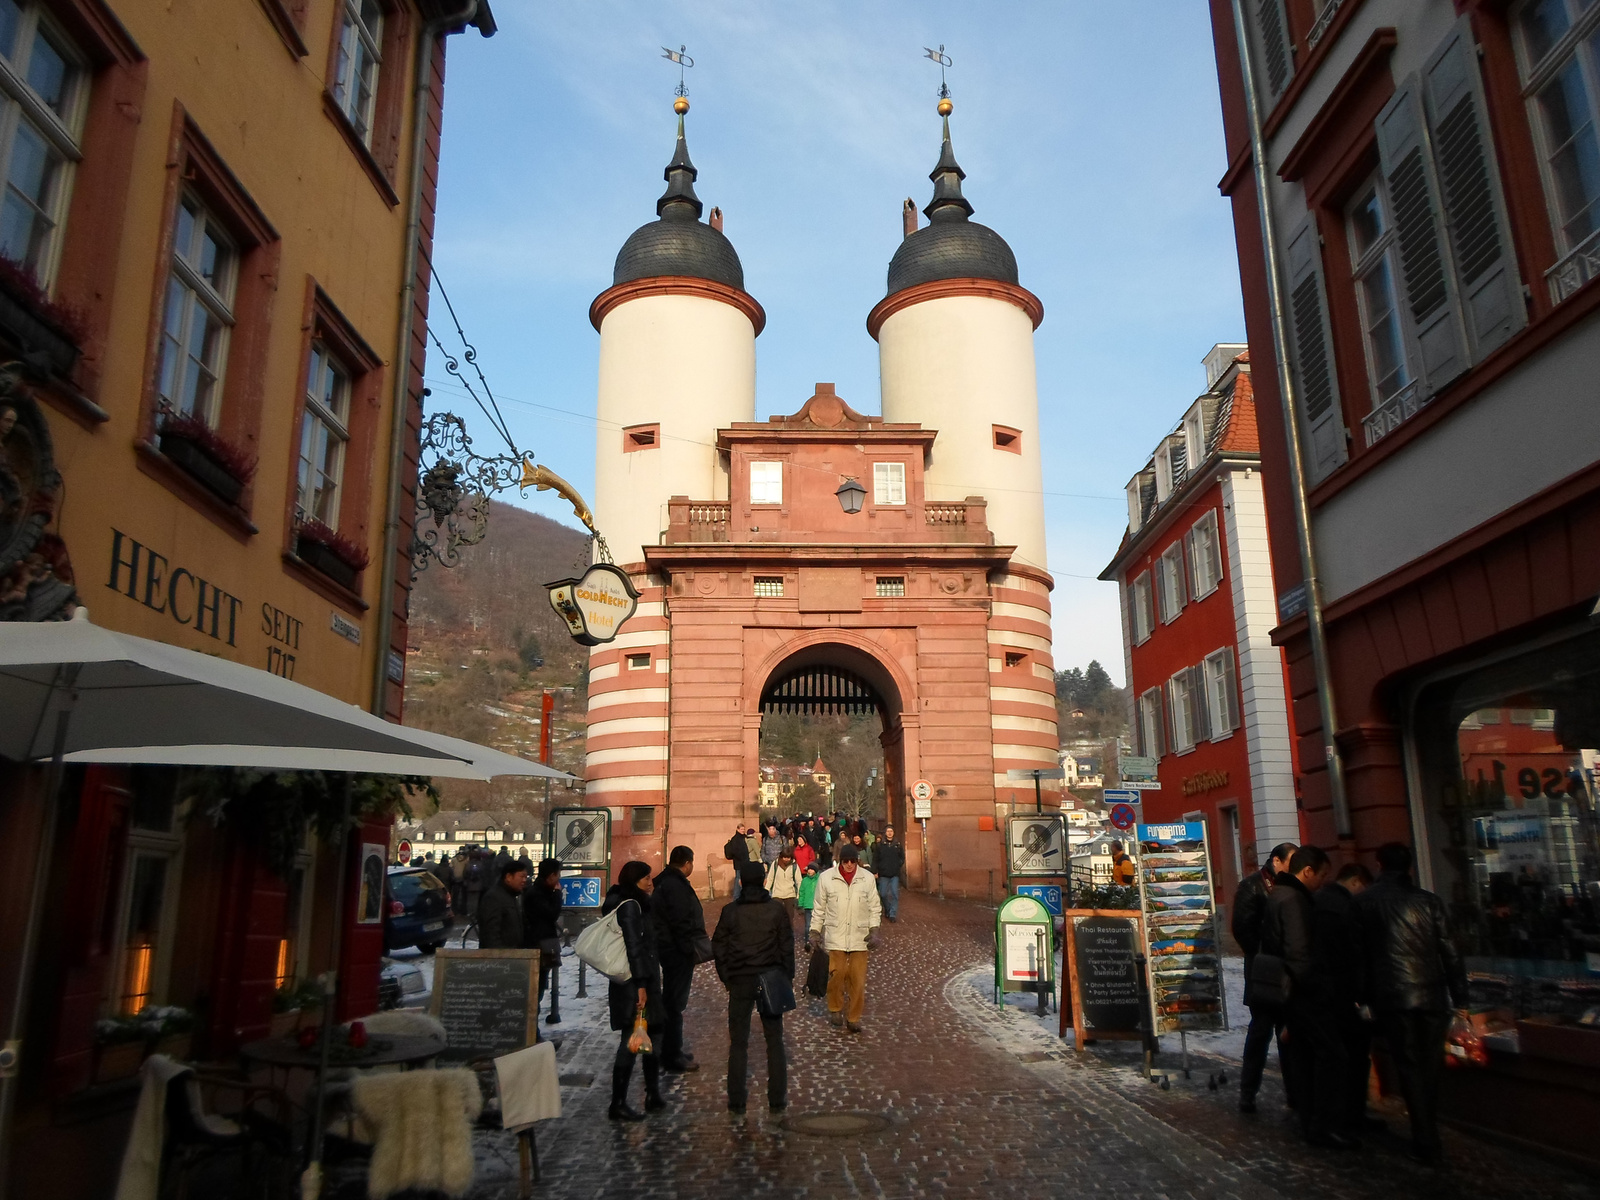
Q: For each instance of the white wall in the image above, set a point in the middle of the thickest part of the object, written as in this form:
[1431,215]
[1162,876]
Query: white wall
[689,363]
[960,365]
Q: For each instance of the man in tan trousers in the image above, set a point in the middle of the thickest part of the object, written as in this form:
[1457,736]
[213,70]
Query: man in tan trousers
[846,921]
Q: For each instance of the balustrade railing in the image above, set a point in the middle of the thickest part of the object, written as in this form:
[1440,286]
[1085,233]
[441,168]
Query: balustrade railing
[1393,412]
[946,512]
[1579,266]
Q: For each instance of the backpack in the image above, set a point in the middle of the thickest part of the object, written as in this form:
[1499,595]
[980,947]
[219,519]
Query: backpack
[603,947]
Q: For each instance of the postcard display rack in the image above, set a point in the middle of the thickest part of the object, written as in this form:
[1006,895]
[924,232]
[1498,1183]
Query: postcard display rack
[1184,951]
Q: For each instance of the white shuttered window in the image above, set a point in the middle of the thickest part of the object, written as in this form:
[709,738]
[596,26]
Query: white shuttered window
[1221,691]
[1205,555]
[1316,389]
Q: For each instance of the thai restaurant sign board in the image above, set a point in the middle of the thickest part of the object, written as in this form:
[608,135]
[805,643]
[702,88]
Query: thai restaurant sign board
[1180,926]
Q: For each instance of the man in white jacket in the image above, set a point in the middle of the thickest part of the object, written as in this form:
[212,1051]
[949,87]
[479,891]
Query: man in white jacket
[846,921]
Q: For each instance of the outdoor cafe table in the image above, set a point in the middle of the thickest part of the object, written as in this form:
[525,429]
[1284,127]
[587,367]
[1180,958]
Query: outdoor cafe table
[382,1051]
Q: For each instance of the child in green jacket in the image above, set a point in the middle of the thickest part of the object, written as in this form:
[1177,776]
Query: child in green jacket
[808,898]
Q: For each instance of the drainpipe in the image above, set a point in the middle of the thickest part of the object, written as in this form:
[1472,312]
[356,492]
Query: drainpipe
[1291,425]
[402,376]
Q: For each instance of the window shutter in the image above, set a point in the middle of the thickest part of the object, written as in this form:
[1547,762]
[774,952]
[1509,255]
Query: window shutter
[1430,300]
[1172,717]
[1181,571]
[1230,689]
[1192,551]
[1312,357]
[1158,574]
[1474,209]
[1200,703]
[1277,60]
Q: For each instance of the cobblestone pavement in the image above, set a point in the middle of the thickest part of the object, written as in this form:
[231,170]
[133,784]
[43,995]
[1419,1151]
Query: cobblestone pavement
[978,1101]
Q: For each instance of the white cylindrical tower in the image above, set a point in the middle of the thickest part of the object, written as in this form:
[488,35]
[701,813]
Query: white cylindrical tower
[677,363]
[955,351]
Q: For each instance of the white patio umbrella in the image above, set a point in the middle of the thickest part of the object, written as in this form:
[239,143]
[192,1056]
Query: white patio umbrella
[74,692]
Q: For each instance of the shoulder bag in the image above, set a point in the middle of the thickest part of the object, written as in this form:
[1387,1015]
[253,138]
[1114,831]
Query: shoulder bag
[603,947]
[774,993]
[1269,981]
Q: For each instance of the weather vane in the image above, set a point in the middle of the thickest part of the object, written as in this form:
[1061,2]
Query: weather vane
[681,57]
[943,59]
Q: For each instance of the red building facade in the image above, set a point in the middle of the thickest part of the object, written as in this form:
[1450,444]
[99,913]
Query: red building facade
[1424,168]
[1205,681]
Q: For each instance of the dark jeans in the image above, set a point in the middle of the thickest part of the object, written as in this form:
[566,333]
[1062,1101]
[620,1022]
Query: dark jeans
[741,1000]
[677,977]
[1356,1037]
[889,894]
[1265,1021]
[1416,1043]
[1318,1077]
[622,1068]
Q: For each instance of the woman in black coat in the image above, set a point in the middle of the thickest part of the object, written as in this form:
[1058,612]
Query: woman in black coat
[630,895]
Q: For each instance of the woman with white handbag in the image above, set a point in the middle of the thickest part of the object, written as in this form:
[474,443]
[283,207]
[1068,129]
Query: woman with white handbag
[636,1007]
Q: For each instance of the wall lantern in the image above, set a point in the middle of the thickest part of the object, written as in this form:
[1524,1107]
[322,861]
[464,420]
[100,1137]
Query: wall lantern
[851,494]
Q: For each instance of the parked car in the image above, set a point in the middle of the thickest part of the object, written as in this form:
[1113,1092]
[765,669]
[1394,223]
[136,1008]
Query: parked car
[403,985]
[419,910]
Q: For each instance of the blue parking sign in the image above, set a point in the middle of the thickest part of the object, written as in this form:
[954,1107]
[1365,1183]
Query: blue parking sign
[1047,894]
[580,891]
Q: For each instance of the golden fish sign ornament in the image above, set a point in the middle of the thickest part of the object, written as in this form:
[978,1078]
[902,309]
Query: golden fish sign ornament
[595,604]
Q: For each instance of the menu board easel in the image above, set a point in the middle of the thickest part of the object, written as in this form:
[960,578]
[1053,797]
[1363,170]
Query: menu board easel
[487,1000]
[1103,948]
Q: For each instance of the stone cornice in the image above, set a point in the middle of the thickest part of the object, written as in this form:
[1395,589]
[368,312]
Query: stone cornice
[677,285]
[939,289]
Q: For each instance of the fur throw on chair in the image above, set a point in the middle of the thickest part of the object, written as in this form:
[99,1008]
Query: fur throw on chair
[423,1126]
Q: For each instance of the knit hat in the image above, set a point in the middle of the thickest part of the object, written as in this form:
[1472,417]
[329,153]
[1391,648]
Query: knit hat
[849,853]
[752,875]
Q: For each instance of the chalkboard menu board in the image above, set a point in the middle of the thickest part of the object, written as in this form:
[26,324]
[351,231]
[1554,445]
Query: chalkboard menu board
[1104,975]
[487,1001]
[1107,950]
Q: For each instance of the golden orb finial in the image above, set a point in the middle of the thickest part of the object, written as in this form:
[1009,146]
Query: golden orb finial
[680,105]
[945,107]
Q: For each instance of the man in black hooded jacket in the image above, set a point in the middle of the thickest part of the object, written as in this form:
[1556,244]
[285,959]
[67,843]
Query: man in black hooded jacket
[542,902]
[753,935]
[1266,1020]
[680,928]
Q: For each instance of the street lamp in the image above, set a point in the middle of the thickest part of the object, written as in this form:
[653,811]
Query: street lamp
[851,494]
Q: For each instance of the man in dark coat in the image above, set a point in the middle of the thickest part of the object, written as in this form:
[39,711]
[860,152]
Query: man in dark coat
[1314,1047]
[500,910]
[475,879]
[737,851]
[1414,978]
[680,927]
[1266,1020]
[1339,963]
[753,935]
[888,864]
[541,930]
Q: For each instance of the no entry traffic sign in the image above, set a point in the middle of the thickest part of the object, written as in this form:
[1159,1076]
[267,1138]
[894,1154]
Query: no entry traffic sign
[1123,816]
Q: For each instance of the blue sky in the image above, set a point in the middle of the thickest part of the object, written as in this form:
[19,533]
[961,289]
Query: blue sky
[1090,134]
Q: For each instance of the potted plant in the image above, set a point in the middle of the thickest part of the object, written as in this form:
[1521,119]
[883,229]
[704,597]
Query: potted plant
[209,458]
[172,1028]
[329,552]
[119,1047]
[295,1005]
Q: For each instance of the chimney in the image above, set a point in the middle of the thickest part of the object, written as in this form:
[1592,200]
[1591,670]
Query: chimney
[908,217]
[716,219]
[824,389]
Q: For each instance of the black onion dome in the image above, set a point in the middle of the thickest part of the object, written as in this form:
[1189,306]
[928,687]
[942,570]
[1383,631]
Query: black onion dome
[679,243]
[952,246]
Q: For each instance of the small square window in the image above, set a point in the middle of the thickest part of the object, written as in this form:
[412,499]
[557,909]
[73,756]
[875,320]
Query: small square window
[769,585]
[889,483]
[640,437]
[1016,658]
[1006,438]
[638,662]
[644,820]
[891,585]
[766,483]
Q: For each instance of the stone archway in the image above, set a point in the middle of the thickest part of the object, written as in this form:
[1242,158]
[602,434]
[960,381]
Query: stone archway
[835,676]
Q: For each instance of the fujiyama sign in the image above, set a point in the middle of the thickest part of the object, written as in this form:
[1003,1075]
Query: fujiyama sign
[595,605]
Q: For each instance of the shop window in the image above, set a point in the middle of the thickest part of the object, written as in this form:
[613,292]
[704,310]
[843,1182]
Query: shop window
[644,820]
[1510,833]
[766,483]
[146,925]
[1006,438]
[641,437]
[889,483]
[768,585]
[41,117]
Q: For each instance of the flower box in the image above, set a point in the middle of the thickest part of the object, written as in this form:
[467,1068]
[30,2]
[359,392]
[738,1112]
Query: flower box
[204,469]
[323,560]
[176,1045]
[285,1023]
[41,342]
[117,1060]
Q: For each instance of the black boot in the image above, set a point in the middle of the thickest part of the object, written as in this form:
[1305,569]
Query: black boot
[619,1111]
[621,1073]
[652,1084]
